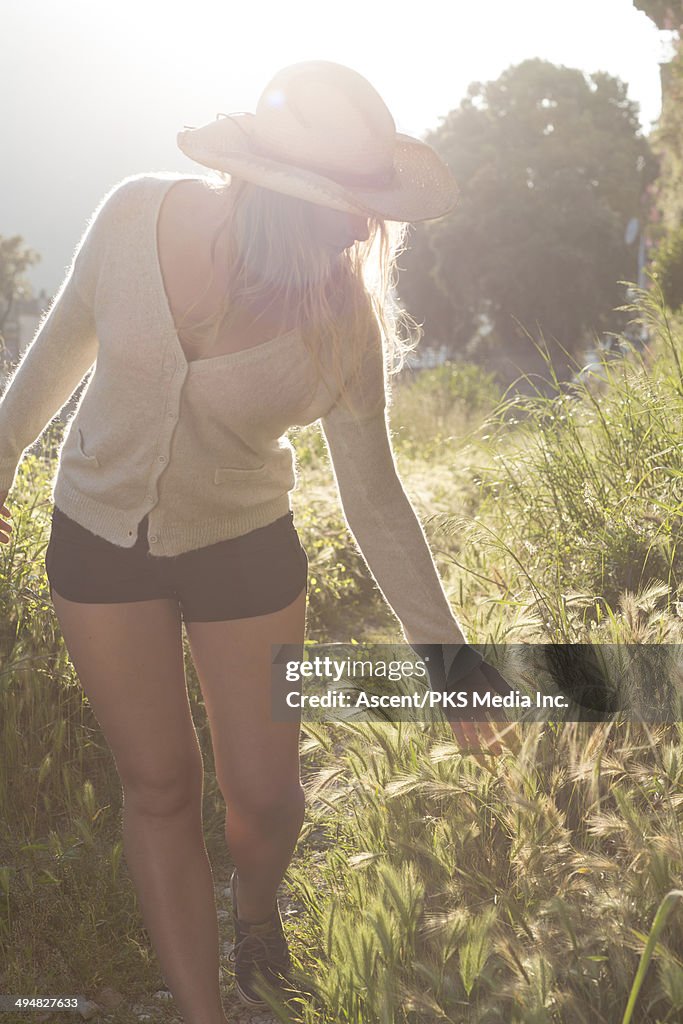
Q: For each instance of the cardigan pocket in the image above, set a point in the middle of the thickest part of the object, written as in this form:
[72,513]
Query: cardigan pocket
[229,475]
[86,455]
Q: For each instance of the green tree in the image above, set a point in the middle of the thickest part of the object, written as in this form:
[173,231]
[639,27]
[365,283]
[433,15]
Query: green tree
[551,166]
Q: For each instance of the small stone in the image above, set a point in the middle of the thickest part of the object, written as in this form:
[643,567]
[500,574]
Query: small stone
[163,993]
[108,998]
[88,1009]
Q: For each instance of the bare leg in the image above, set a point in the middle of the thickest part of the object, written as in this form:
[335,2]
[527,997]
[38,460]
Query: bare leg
[129,660]
[257,759]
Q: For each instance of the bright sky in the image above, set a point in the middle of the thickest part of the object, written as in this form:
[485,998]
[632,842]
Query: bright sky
[99,88]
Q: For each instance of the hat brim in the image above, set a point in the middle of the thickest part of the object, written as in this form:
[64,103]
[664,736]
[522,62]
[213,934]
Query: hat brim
[423,187]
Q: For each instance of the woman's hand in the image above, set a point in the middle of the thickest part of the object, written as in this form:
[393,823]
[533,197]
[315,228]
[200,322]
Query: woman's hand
[463,670]
[481,737]
[5,527]
[475,734]
[476,737]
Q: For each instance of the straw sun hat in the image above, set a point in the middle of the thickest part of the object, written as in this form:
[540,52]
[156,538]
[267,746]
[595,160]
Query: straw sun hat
[322,133]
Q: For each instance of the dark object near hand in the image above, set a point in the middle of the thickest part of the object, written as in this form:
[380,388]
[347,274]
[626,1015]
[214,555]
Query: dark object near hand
[580,673]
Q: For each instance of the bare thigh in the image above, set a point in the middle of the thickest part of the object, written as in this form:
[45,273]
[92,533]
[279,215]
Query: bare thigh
[256,758]
[129,660]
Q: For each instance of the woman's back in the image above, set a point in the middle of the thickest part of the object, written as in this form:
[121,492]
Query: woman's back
[194,283]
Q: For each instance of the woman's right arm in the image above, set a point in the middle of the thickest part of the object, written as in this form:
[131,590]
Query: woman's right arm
[56,361]
[61,352]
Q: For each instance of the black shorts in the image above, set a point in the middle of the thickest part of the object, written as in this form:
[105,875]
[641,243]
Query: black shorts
[255,574]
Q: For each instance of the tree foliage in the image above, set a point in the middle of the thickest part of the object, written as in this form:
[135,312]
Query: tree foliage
[667,137]
[551,166]
[15,258]
[667,268]
[666,14]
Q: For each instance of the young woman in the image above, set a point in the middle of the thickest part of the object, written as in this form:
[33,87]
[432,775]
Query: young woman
[218,312]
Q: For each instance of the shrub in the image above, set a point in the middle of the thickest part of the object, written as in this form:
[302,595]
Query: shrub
[668,268]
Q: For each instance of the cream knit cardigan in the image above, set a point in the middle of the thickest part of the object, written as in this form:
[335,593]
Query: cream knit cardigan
[200,446]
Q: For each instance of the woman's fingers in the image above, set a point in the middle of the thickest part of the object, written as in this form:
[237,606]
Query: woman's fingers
[473,736]
[489,736]
[480,735]
[466,740]
[480,686]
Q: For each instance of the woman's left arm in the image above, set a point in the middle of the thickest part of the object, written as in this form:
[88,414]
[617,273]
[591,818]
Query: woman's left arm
[385,525]
[383,521]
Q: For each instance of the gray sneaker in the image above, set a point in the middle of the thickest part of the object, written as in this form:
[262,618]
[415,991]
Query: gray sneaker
[260,953]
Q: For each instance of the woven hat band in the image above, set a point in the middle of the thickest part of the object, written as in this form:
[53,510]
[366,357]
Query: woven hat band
[376,179]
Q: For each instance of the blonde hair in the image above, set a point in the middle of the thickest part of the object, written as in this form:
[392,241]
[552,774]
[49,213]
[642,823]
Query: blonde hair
[338,301]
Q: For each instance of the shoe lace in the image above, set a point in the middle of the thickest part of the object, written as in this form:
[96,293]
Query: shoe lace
[258,949]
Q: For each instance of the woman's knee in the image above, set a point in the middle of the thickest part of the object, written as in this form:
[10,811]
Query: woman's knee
[263,805]
[164,793]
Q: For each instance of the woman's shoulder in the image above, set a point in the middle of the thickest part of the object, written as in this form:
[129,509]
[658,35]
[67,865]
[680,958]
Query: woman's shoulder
[123,201]
[141,186]
[135,186]
[121,194]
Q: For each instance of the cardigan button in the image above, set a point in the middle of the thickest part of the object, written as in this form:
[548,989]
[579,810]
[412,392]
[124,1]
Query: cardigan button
[162,458]
[153,539]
